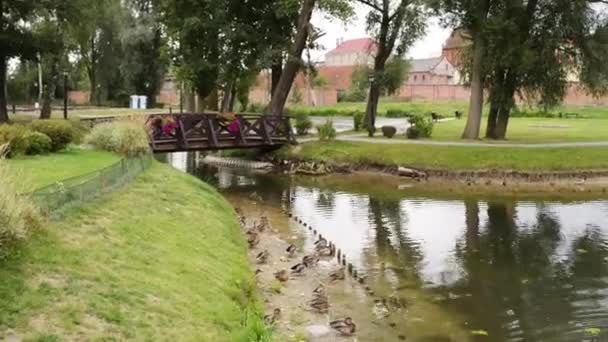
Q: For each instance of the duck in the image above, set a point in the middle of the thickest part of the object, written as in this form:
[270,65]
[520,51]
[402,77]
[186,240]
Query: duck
[258,271]
[262,257]
[291,250]
[321,243]
[282,275]
[346,326]
[325,251]
[310,260]
[337,274]
[263,224]
[320,304]
[319,291]
[252,238]
[273,317]
[298,269]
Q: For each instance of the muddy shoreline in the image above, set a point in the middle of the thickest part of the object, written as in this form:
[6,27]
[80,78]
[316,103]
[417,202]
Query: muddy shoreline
[481,181]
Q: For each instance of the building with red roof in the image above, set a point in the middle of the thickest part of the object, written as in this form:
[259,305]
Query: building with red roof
[352,52]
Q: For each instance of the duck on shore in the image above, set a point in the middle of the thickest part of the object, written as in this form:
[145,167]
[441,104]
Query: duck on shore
[320,304]
[298,269]
[282,275]
[337,274]
[291,250]
[273,317]
[346,326]
[310,260]
[262,257]
[325,251]
[253,239]
[321,243]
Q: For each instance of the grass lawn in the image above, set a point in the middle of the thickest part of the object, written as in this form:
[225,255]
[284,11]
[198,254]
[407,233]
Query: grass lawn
[162,259]
[534,130]
[40,171]
[84,112]
[454,158]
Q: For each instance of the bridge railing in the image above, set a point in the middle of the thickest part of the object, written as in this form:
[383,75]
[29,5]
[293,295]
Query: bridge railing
[208,131]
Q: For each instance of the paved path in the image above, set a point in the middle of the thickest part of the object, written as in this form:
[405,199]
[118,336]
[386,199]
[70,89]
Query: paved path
[364,138]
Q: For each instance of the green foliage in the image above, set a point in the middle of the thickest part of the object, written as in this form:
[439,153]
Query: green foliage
[18,215]
[394,74]
[61,132]
[422,127]
[398,113]
[37,143]
[14,136]
[358,119]
[327,132]
[257,108]
[296,96]
[125,138]
[303,123]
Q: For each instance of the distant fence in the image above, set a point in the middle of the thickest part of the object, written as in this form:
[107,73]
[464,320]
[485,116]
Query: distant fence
[87,187]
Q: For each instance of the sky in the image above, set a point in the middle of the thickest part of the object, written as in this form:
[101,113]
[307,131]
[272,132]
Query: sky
[429,46]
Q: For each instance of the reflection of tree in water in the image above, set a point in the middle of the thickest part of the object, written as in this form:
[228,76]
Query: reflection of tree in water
[391,243]
[520,289]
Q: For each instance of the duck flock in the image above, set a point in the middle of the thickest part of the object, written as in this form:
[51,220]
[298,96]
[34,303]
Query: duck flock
[319,302]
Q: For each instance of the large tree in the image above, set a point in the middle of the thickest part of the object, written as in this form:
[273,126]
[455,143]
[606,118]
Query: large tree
[535,47]
[395,26]
[16,40]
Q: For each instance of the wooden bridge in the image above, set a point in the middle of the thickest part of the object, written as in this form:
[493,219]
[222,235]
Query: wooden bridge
[202,132]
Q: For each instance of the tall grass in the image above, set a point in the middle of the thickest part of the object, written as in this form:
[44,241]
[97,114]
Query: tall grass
[127,138]
[18,215]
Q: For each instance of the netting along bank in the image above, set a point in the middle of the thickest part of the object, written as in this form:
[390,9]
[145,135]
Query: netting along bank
[86,187]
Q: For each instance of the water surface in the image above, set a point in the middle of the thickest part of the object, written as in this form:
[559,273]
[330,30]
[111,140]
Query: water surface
[533,270]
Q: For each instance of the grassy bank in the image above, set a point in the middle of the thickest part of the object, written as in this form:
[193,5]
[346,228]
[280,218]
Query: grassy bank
[162,259]
[453,158]
[40,171]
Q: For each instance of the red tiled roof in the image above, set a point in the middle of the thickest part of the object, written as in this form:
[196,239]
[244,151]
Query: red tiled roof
[354,46]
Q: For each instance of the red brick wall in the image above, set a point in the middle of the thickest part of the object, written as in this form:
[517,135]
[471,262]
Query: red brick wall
[79,97]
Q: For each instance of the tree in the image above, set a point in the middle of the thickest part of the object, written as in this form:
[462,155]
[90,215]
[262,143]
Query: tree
[534,47]
[145,60]
[16,40]
[395,25]
[469,19]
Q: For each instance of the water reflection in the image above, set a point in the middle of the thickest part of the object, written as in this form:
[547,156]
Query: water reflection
[522,271]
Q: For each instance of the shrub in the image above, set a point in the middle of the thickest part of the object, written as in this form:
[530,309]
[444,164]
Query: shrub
[61,132]
[257,108]
[303,123]
[126,138]
[18,215]
[389,131]
[327,132]
[422,127]
[14,136]
[37,143]
[358,118]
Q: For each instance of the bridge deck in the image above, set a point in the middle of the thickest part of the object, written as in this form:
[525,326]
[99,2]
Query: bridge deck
[201,132]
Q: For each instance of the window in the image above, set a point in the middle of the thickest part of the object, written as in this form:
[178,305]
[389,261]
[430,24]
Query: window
[423,78]
[415,78]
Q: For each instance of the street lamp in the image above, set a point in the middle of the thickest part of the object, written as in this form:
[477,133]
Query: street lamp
[371,78]
[371,115]
[65,95]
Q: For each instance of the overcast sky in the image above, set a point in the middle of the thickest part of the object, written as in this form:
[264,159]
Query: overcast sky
[429,46]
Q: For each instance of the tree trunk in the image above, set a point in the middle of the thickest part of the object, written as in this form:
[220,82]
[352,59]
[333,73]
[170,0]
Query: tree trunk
[212,100]
[372,108]
[502,123]
[492,117]
[232,99]
[226,99]
[279,98]
[200,104]
[45,110]
[473,126]
[275,77]
[92,71]
[3,101]
[190,101]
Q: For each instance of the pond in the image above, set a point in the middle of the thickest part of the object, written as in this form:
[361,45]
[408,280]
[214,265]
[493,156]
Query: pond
[516,270]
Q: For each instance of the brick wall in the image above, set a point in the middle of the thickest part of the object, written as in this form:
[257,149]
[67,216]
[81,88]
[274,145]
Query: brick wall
[79,97]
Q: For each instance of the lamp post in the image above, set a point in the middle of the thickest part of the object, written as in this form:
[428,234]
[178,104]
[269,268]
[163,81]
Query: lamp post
[65,95]
[371,110]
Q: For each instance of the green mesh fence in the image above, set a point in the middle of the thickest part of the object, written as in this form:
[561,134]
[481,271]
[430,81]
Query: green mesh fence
[86,187]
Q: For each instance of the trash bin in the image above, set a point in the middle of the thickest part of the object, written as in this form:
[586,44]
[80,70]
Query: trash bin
[134,102]
[143,102]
